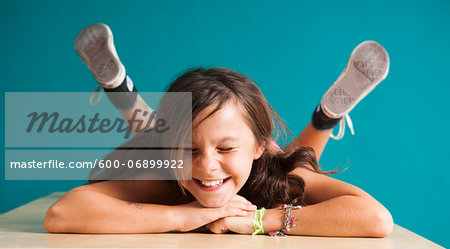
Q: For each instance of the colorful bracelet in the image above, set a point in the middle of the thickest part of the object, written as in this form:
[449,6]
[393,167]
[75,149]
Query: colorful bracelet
[257,222]
[288,220]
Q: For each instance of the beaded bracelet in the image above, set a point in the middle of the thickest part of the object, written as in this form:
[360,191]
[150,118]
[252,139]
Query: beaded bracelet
[257,222]
[288,220]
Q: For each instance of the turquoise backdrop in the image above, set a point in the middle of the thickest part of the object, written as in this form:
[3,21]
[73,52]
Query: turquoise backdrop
[294,50]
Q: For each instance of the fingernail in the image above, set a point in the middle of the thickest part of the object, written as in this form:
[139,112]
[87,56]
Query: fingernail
[244,212]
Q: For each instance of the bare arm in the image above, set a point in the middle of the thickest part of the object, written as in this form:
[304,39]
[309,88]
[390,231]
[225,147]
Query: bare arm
[110,207]
[87,211]
[337,209]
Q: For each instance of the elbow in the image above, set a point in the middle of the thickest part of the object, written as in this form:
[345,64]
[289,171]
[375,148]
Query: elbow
[60,216]
[54,220]
[382,224]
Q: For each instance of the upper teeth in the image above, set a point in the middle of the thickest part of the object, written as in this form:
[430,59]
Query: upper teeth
[211,183]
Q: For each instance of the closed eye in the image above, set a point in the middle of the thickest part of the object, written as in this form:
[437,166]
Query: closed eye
[225,149]
[194,151]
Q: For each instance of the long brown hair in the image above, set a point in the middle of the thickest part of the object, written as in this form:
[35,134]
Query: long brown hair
[269,182]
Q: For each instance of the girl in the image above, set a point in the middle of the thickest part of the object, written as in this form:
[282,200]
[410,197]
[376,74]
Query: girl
[241,180]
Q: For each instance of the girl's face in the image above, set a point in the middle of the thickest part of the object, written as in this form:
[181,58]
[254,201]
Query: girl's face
[223,150]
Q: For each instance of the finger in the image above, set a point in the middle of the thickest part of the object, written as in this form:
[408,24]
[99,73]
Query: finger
[240,198]
[218,229]
[234,211]
[239,201]
[217,226]
[243,206]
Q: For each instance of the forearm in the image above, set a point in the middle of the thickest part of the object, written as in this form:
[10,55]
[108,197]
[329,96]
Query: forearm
[87,211]
[341,216]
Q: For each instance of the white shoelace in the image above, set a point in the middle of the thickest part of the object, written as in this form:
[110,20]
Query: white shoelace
[91,99]
[341,132]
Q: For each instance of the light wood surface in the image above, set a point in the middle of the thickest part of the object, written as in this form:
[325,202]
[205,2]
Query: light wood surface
[23,228]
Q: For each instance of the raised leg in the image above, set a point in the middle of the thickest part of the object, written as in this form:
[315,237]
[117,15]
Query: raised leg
[96,48]
[140,111]
[367,67]
[313,138]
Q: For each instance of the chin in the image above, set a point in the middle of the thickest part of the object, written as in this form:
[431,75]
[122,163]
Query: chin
[212,203]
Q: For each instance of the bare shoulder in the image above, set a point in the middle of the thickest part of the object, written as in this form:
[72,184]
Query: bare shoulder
[143,191]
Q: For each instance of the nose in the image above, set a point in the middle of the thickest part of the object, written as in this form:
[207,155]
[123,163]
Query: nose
[207,163]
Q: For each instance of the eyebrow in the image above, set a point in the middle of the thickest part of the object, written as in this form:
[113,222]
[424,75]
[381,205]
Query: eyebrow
[222,140]
[225,139]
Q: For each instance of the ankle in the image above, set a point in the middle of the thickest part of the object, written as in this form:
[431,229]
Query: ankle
[124,96]
[321,121]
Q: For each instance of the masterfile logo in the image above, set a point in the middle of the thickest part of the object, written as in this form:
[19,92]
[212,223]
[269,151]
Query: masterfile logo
[60,136]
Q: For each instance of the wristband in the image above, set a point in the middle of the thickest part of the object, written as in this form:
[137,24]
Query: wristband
[257,222]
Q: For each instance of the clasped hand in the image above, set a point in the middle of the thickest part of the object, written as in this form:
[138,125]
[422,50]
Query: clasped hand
[239,220]
[236,216]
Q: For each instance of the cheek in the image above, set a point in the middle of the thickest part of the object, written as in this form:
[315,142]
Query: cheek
[240,166]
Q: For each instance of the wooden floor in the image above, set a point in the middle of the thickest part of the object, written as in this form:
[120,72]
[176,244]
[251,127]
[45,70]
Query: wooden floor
[23,228]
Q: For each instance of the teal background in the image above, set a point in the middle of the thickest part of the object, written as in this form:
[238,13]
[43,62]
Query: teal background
[294,50]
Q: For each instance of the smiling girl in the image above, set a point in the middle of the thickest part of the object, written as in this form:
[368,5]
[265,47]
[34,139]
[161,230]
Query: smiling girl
[241,180]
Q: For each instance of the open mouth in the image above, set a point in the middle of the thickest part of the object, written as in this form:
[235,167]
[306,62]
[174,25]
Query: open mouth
[211,185]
